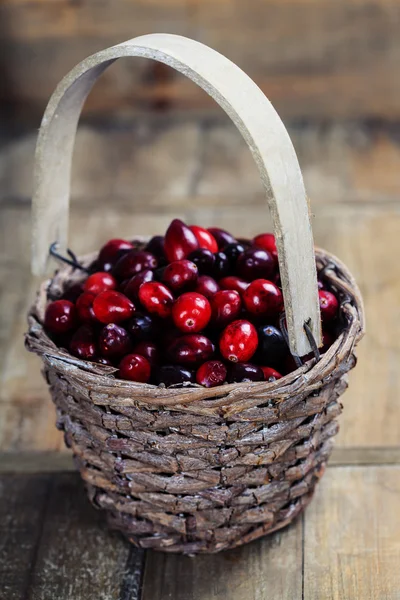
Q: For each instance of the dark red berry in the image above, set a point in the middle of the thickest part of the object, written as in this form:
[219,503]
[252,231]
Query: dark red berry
[221,266]
[238,341]
[205,238]
[156,298]
[135,367]
[179,241]
[191,349]
[233,251]
[112,307]
[114,341]
[83,343]
[272,348]
[241,372]
[207,286]
[156,246]
[149,350]
[104,361]
[225,307]
[270,374]
[255,263]
[180,274]
[204,260]
[84,307]
[111,250]
[131,287]
[142,327]
[211,373]
[234,283]
[60,316]
[133,263]
[266,241]
[100,282]
[327,340]
[263,298]
[72,293]
[191,312]
[329,305]
[222,237]
[173,375]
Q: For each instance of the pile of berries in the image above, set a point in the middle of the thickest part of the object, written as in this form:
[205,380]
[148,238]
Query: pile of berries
[196,306]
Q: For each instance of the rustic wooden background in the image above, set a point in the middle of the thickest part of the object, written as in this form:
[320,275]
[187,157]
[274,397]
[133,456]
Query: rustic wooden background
[151,147]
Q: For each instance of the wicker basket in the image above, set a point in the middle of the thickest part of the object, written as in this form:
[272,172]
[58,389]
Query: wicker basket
[193,469]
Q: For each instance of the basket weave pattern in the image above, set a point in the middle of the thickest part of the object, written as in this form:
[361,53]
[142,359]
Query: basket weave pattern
[200,470]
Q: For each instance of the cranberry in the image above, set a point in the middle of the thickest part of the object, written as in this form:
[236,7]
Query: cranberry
[221,266]
[110,252]
[207,286]
[255,263]
[72,293]
[114,341]
[266,241]
[131,287]
[149,350]
[327,340]
[211,373]
[233,251]
[329,305]
[191,312]
[112,307]
[83,343]
[272,346]
[84,307]
[191,349]
[156,246]
[240,372]
[205,238]
[134,262]
[234,283]
[104,361]
[270,374]
[222,237]
[99,282]
[141,327]
[156,298]
[179,241]
[225,307]
[173,375]
[204,260]
[180,274]
[135,368]
[263,297]
[60,316]
[321,285]
[238,341]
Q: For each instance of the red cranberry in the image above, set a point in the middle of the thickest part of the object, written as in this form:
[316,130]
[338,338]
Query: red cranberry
[255,263]
[156,246]
[191,312]
[221,266]
[222,237]
[240,372]
[234,283]
[84,307]
[205,238]
[135,368]
[272,347]
[211,373]
[233,251]
[72,293]
[114,341]
[270,374]
[180,274]
[60,316]
[131,287]
[238,341]
[179,241]
[156,298]
[142,327]
[327,340]
[225,307]
[329,305]
[173,375]
[99,282]
[204,260]
[263,297]
[266,241]
[111,250]
[149,350]
[83,343]
[191,349]
[112,307]
[133,263]
[207,286]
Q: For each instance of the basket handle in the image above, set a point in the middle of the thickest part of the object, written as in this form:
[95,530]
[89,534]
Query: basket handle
[258,123]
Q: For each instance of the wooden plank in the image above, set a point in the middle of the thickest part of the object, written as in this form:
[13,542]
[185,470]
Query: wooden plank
[268,568]
[352,532]
[22,506]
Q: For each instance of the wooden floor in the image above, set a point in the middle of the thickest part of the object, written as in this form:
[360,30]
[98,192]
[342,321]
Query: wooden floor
[132,179]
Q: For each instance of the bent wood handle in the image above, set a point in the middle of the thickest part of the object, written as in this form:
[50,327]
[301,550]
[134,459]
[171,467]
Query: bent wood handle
[257,121]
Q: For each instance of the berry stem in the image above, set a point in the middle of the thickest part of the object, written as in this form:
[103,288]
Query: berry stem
[72,261]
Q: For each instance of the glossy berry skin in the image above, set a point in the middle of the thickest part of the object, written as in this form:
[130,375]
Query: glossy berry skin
[156,246]
[234,283]
[112,249]
[173,375]
[142,327]
[191,312]
[156,298]
[100,282]
[233,251]
[238,341]
[211,373]
[266,241]
[272,348]
[192,349]
[221,266]
[135,367]
[114,341]
[180,274]
[131,287]
[270,374]
[222,237]
[263,298]
[84,307]
[83,343]
[204,260]
[205,238]
[149,350]
[104,361]
[179,241]
[225,306]
[207,286]
[241,372]
[60,316]
[112,307]
[329,305]
[133,263]
[255,263]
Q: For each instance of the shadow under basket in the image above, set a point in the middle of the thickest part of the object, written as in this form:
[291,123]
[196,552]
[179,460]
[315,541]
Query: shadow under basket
[198,470]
